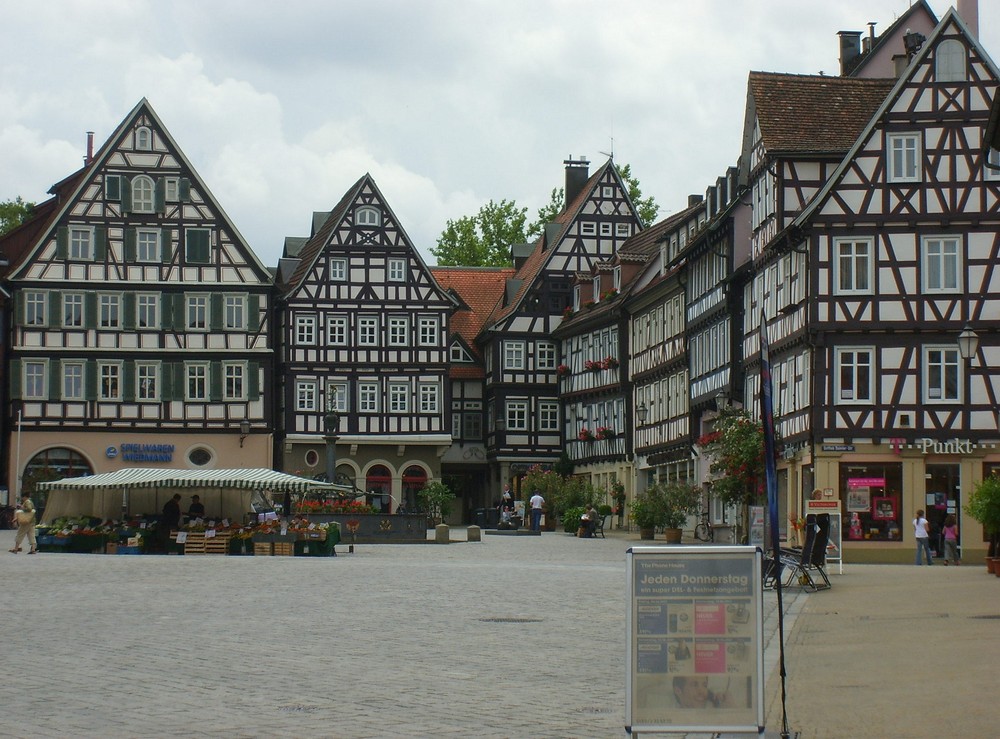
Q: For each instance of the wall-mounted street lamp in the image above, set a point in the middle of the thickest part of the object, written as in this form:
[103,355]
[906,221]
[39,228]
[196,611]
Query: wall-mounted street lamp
[641,412]
[244,430]
[968,342]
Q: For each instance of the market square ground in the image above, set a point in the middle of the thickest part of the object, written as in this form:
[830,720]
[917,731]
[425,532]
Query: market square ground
[510,637]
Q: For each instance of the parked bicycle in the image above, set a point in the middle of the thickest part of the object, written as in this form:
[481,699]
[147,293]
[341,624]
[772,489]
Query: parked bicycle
[704,531]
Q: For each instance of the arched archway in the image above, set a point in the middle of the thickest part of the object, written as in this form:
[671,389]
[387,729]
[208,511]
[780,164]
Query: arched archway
[414,478]
[48,465]
[378,487]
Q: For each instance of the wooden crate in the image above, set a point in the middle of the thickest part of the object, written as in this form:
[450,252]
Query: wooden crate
[262,549]
[218,544]
[284,548]
[195,543]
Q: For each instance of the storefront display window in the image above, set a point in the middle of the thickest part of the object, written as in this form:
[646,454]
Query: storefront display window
[871,496]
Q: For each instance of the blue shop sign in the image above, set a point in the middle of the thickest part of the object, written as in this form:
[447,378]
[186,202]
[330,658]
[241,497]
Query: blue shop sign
[142,452]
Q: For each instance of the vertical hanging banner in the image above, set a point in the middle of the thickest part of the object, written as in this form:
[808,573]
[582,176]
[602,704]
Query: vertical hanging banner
[695,640]
[767,419]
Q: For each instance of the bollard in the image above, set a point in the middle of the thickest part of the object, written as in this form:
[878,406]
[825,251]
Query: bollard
[473,534]
[441,533]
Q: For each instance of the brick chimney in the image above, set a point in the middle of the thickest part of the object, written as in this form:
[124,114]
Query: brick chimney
[577,174]
[90,148]
[969,10]
[850,49]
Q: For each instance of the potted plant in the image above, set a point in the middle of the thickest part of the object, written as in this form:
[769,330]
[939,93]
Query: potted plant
[680,499]
[983,505]
[648,512]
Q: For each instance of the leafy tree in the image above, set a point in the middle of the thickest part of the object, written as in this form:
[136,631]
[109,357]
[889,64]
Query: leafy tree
[482,240]
[646,207]
[13,213]
[736,448]
[547,213]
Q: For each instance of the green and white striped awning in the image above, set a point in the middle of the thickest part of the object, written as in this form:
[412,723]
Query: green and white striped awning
[242,479]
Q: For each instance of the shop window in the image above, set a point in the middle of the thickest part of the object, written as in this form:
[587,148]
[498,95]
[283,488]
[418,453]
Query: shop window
[378,484]
[871,496]
[414,479]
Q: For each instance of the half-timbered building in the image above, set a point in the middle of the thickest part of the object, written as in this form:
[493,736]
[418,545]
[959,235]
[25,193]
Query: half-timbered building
[364,332]
[140,332]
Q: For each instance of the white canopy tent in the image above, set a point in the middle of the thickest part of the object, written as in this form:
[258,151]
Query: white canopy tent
[144,490]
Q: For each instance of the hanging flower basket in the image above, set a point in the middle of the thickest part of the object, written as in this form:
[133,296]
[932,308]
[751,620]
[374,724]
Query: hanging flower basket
[585,435]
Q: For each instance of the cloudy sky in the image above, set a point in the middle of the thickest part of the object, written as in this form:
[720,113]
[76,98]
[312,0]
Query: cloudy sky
[447,103]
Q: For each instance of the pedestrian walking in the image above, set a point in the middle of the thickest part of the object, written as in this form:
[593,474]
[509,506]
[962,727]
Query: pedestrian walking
[25,518]
[922,533]
[951,540]
[536,502]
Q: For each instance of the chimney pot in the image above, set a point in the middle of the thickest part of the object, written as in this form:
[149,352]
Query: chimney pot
[90,147]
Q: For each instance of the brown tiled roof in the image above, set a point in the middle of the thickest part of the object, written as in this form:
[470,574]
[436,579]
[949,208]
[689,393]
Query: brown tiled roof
[647,242]
[480,288]
[813,113]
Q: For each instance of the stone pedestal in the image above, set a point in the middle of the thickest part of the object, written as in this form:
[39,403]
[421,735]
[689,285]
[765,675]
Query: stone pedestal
[441,533]
[473,534]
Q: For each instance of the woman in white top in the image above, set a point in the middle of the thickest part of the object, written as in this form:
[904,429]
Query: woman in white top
[921,530]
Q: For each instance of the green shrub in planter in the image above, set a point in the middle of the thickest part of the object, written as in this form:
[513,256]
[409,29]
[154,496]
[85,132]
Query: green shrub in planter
[604,509]
[571,519]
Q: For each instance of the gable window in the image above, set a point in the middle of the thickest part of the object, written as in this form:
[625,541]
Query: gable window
[305,330]
[35,313]
[73,310]
[904,157]
[548,415]
[950,61]
[198,246]
[427,330]
[336,393]
[336,330]
[81,243]
[197,312]
[368,331]
[143,139]
[546,355]
[197,382]
[399,330]
[513,355]
[623,230]
[147,245]
[399,395]
[34,380]
[305,395]
[368,397]
[171,189]
[110,311]
[367,216]
[854,375]
[430,394]
[147,310]
[457,353]
[607,191]
[338,270]
[941,264]
[941,366]
[233,376]
[72,380]
[147,377]
[517,415]
[109,381]
[397,270]
[605,229]
[854,266]
[588,228]
[142,194]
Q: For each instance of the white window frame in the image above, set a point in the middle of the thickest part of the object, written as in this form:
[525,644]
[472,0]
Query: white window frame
[305,330]
[147,381]
[196,311]
[336,330]
[429,394]
[80,243]
[855,360]
[36,308]
[74,310]
[234,381]
[368,397]
[399,397]
[197,379]
[545,355]
[605,229]
[428,330]
[109,310]
[623,230]
[399,330]
[548,415]
[940,255]
[588,228]
[903,154]
[397,270]
[234,312]
[306,396]
[513,354]
[336,393]
[143,194]
[851,265]
[172,189]
[516,413]
[367,330]
[942,361]
[147,245]
[950,61]
[109,381]
[74,376]
[147,311]
[338,270]
[143,139]
[35,376]
[367,216]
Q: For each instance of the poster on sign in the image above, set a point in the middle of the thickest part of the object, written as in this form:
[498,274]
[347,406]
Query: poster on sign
[695,647]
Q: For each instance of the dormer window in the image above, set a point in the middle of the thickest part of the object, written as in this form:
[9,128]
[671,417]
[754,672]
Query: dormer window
[618,278]
[597,289]
[949,61]
[367,216]
[143,139]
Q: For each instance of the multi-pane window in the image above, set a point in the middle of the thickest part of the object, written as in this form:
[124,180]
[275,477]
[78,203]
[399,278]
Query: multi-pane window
[336,330]
[147,245]
[430,397]
[34,380]
[72,377]
[605,229]
[143,139]
[517,415]
[399,396]
[142,194]
[904,157]
[368,331]
[336,392]
[109,310]
[941,380]
[397,270]
[171,190]
[367,216]
[588,228]
[35,313]
[234,312]
[548,415]
[338,270]
[941,264]
[368,397]
[427,334]
[854,375]
[72,308]
[197,312]
[546,355]
[233,381]
[854,267]
[305,330]
[147,310]
[472,427]
[81,243]
[147,377]
[305,395]
[513,355]
[399,330]
[623,230]
[109,381]
[197,382]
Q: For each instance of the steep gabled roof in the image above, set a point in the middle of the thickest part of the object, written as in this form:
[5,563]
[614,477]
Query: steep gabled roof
[480,288]
[811,114]
[857,67]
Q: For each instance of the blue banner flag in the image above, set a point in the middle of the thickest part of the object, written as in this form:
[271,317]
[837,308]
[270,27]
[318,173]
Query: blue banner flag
[767,419]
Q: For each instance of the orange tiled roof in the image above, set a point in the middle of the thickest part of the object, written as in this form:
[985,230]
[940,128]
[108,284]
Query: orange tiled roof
[480,288]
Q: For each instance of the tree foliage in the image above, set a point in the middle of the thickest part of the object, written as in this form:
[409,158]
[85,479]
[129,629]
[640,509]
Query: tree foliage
[482,240]
[13,213]
[547,213]
[436,498]
[736,450]
[646,207]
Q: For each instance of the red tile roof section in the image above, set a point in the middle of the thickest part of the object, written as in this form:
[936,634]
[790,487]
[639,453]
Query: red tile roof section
[480,288]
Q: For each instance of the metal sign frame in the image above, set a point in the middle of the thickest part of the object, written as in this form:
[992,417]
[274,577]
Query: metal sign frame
[695,660]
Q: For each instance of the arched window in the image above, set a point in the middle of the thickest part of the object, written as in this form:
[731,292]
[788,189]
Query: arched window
[367,216]
[142,194]
[143,139]
[414,479]
[378,486]
[949,61]
[52,464]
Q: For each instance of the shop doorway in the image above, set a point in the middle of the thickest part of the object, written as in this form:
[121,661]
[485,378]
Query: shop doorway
[943,497]
[378,484]
[414,479]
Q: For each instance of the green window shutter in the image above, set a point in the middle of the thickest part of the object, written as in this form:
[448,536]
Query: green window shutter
[215,319]
[166,312]
[128,381]
[167,245]
[15,380]
[126,195]
[253,381]
[184,189]
[55,380]
[180,381]
[253,313]
[159,195]
[197,246]
[100,244]
[90,380]
[90,310]
[113,187]
[166,381]
[128,309]
[180,319]
[55,310]
[130,237]
[62,242]
[215,382]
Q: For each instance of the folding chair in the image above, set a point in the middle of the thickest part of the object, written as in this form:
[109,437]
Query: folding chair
[812,559]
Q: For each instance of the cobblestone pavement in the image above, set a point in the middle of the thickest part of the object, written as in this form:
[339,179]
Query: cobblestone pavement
[510,637]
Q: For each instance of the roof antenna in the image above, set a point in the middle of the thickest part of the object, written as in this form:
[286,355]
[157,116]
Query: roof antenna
[610,154]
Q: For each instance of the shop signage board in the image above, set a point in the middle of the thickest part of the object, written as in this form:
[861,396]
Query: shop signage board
[695,659]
